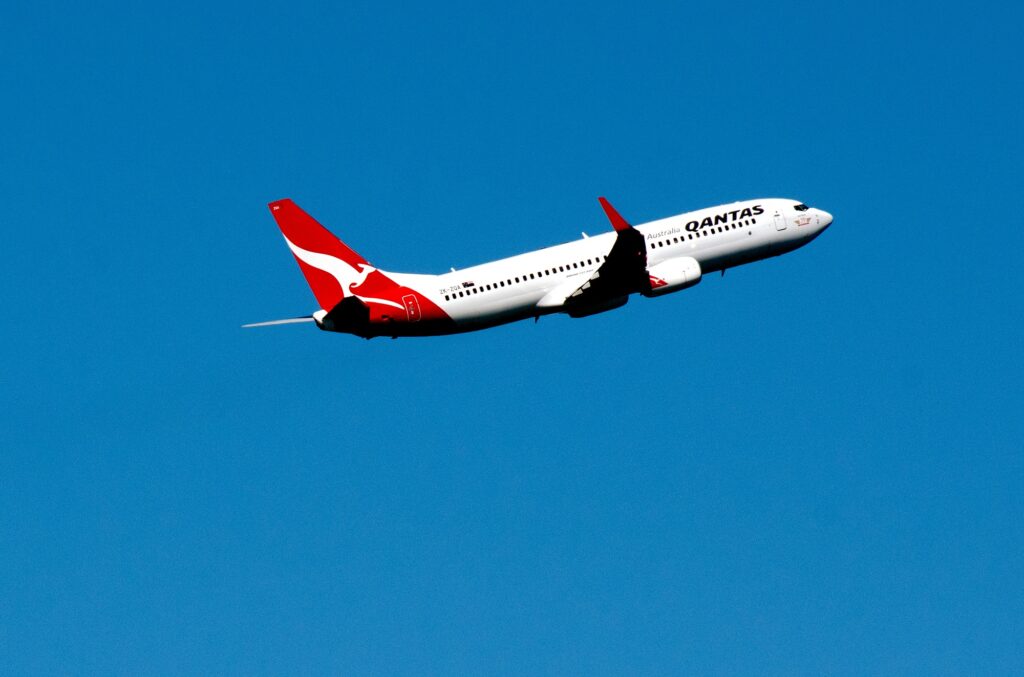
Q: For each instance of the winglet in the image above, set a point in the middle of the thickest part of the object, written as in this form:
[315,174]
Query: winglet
[618,223]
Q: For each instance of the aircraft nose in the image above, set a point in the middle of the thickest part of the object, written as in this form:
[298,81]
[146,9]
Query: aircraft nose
[824,219]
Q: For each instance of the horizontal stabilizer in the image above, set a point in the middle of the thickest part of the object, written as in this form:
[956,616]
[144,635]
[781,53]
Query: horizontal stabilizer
[290,320]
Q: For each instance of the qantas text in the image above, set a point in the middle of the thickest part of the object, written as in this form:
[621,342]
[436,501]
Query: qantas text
[724,217]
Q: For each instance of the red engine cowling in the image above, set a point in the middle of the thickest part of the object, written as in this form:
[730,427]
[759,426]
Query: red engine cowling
[673,275]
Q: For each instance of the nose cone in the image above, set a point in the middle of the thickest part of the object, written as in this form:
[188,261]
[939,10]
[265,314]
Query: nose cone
[824,220]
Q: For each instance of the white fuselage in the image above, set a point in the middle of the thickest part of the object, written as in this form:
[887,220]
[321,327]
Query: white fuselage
[717,237]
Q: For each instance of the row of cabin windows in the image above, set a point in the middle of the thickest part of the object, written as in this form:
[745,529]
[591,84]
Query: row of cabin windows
[589,262]
[523,278]
[703,233]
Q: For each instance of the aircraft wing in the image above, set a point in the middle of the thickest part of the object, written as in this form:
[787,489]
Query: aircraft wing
[623,272]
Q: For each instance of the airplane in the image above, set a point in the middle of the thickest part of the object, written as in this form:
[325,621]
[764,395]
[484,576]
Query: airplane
[588,276]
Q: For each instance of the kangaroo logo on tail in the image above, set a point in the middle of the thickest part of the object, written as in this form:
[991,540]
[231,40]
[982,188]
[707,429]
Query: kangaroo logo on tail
[347,276]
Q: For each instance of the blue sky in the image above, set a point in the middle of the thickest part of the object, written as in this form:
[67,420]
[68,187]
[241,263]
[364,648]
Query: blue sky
[812,465]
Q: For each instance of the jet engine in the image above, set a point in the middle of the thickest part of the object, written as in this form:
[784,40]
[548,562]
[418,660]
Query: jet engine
[673,275]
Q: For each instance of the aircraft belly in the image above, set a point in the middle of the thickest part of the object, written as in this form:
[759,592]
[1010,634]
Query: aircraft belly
[730,254]
[494,311]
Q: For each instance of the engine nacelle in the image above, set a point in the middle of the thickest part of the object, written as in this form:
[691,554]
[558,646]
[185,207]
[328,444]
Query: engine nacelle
[673,275]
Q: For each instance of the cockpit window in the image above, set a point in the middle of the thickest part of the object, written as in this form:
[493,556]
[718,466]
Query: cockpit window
[801,207]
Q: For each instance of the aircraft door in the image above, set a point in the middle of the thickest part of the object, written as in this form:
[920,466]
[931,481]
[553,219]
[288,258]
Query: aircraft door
[412,307]
[780,221]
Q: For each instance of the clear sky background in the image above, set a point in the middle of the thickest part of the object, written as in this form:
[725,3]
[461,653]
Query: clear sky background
[812,465]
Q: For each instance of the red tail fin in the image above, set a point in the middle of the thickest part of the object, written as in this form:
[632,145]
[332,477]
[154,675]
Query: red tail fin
[330,267]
